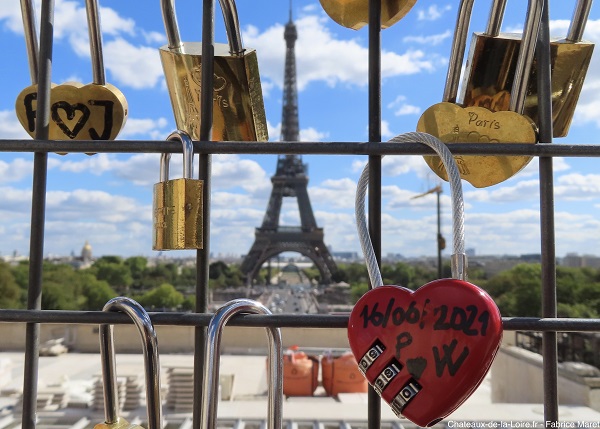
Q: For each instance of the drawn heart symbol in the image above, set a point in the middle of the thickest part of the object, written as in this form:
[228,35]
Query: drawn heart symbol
[78,112]
[454,124]
[425,351]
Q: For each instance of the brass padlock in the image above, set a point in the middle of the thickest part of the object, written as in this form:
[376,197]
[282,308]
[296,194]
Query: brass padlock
[141,320]
[212,354]
[452,123]
[177,203]
[238,106]
[96,111]
[490,71]
[355,13]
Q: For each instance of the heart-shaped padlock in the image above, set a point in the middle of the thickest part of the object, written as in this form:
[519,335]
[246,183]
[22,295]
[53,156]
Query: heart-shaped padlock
[425,351]
[97,111]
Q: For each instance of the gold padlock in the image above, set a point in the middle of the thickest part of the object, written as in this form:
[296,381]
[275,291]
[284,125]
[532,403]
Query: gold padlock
[490,71]
[142,321]
[177,203]
[97,111]
[452,123]
[355,13]
[238,106]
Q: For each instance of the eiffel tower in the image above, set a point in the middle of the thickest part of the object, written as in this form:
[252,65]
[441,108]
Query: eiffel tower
[290,180]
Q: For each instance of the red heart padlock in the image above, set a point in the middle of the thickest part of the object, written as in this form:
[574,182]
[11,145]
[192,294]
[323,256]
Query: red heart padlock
[425,351]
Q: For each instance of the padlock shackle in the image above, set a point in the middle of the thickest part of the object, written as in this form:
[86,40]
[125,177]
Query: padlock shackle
[526,56]
[495,18]
[31,39]
[210,385]
[230,16]
[142,321]
[579,20]
[95,35]
[457,53]
[188,156]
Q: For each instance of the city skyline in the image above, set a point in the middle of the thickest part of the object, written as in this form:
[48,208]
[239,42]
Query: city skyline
[106,198]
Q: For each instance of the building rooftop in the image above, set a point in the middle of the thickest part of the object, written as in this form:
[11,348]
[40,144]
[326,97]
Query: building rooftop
[66,397]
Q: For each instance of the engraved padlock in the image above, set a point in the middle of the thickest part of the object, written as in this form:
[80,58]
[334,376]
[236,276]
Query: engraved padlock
[142,321]
[212,354]
[96,111]
[177,203]
[452,123]
[355,13]
[238,106]
[424,351]
[490,70]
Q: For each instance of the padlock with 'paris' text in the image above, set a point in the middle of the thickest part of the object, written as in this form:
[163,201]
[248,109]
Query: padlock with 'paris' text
[238,106]
[178,203]
[424,351]
[490,70]
[96,111]
[453,123]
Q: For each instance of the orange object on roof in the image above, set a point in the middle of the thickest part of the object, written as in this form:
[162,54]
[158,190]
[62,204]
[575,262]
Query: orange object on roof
[341,375]
[300,373]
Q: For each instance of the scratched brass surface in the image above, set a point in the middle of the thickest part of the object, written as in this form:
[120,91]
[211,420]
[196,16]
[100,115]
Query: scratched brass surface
[454,124]
[238,106]
[355,13]
[177,214]
[491,67]
[77,111]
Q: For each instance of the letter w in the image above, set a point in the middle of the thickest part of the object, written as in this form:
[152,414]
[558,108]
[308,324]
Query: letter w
[446,359]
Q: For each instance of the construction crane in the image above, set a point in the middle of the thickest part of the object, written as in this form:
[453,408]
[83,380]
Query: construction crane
[441,242]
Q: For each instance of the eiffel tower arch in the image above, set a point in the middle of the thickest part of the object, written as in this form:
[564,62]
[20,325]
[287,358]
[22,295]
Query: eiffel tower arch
[272,239]
[290,180]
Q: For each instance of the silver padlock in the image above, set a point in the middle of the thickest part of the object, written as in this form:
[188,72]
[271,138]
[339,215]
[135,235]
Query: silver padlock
[212,354]
[142,321]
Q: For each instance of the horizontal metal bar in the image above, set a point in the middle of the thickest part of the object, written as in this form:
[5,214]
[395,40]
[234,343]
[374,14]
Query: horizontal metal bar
[307,148]
[276,320]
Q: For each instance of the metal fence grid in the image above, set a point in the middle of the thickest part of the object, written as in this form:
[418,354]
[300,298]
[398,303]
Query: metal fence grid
[548,325]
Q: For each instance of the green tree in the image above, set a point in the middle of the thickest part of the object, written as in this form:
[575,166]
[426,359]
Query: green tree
[96,292]
[10,292]
[164,296]
[114,271]
[517,291]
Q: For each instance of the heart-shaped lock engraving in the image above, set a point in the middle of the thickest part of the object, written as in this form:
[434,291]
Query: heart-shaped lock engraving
[96,111]
[425,351]
[77,111]
[454,124]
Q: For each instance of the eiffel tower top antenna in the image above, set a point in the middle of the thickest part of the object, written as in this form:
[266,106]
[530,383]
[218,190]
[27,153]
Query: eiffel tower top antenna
[290,130]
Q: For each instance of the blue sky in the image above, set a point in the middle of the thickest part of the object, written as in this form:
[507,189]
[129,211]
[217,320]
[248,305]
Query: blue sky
[106,198]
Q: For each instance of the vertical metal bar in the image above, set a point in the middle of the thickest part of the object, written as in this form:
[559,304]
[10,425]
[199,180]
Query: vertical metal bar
[38,215]
[439,234]
[549,346]
[202,255]
[374,401]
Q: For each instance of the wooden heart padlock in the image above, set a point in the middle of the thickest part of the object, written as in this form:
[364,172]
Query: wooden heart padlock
[452,123]
[96,111]
[424,351]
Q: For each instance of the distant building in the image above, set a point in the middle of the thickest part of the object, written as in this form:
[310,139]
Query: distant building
[580,261]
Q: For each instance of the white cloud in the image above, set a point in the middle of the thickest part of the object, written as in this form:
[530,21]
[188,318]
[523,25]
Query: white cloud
[10,128]
[432,13]
[133,66]
[152,128]
[321,56]
[433,39]
[401,108]
[334,193]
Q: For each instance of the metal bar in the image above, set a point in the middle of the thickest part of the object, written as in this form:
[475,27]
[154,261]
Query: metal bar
[548,250]
[38,216]
[306,148]
[374,401]
[318,321]
[204,173]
